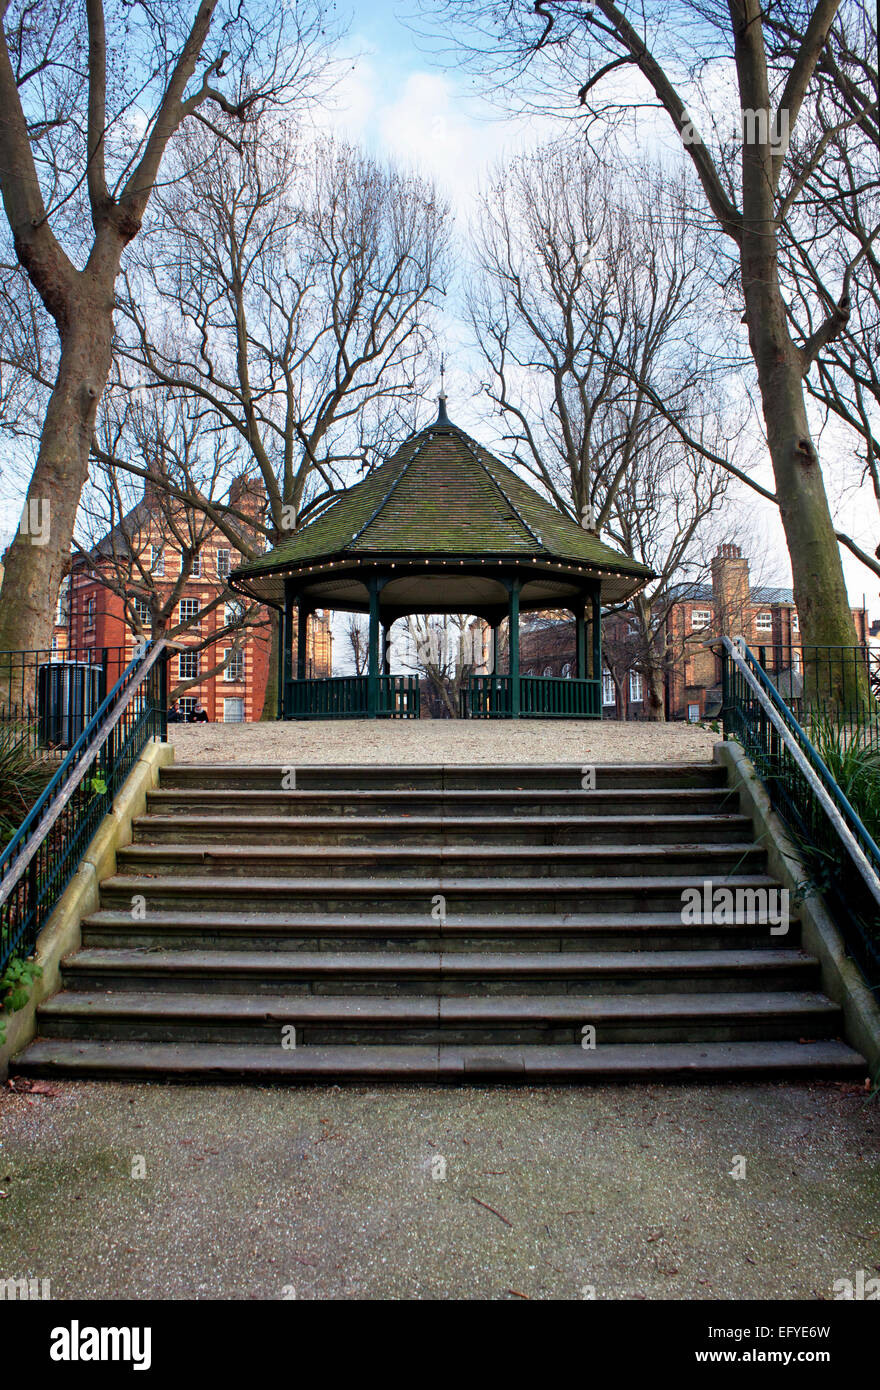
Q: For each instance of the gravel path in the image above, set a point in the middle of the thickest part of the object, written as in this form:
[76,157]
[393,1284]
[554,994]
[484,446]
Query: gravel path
[441,741]
[547,1192]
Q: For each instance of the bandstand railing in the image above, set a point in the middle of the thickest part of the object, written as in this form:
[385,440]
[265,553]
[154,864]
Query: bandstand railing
[348,697]
[540,697]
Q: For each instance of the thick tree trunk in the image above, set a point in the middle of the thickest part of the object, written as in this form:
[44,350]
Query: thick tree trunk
[655,695]
[654,699]
[34,569]
[817,571]
[270,699]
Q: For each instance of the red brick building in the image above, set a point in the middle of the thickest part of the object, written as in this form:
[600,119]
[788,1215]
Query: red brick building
[138,575]
[765,616]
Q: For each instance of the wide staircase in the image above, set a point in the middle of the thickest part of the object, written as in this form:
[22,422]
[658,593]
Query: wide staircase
[435,922]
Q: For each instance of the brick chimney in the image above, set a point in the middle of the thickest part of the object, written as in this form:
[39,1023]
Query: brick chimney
[731,591]
[246,488]
[154,492]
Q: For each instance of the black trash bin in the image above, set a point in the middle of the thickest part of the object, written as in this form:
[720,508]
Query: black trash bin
[68,694]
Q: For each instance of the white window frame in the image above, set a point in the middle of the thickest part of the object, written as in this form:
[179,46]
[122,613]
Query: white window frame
[221,572]
[795,623]
[190,656]
[234,673]
[233,700]
[194,607]
[157,560]
[636,687]
[141,610]
[90,612]
[609,694]
[196,566]
[233,612]
[700,618]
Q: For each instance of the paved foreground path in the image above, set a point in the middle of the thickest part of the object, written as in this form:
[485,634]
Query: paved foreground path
[442,741]
[329,1192]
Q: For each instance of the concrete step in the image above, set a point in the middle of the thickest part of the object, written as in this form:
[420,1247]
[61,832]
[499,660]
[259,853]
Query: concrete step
[256,929]
[433,923]
[208,892]
[370,1020]
[430,862]
[219,1062]
[439,973]
[480,776]
[506,801]
[398,829]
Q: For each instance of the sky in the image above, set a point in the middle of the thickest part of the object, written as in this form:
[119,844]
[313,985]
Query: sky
[403,106]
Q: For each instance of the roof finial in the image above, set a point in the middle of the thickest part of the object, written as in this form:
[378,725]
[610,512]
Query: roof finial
[442,417]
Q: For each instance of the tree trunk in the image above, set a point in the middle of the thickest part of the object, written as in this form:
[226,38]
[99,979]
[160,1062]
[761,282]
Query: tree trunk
[655,695]
[817,571]
[654,701]
[34,569]
[270,699]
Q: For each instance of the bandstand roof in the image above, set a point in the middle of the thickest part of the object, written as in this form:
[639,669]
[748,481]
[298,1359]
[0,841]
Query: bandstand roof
[443,520]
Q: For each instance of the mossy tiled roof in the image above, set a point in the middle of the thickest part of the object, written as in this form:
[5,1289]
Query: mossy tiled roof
[442,494]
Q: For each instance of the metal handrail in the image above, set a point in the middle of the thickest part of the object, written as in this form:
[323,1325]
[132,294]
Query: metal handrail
[76,764]
[843,817]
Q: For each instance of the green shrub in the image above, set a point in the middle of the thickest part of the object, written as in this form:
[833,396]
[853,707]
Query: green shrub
[15,984]
[23,776]
[853,760]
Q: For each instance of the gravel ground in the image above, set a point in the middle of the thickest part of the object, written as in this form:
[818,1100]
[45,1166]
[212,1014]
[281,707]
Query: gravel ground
[441,740]
[547,1193]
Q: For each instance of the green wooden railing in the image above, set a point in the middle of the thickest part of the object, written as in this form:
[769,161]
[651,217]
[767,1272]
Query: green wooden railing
[842,859]
[44,854]
[348,697]
[540,697]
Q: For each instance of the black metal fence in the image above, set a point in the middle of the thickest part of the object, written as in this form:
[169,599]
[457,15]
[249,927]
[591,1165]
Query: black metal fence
[821,682]
[42,857]
[841,857]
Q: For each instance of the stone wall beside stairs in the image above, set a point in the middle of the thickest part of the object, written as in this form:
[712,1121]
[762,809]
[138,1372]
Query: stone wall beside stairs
[61,934]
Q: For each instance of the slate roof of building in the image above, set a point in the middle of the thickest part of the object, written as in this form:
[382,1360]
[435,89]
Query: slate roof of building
[443,494]
[703,593]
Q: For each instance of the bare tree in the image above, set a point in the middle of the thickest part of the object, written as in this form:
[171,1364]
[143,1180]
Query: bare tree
[832,237]
[445,649]
[122,527]
[586,303]
[294,307]
[358,643]
[682,54]
[92,94]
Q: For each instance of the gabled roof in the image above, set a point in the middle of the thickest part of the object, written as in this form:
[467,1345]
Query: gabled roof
[443,495]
